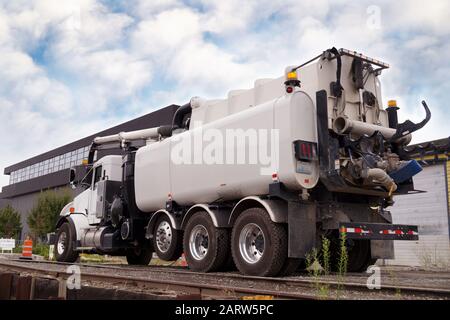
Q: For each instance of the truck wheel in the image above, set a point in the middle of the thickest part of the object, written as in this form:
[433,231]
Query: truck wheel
[258,245]
[139,256]
[64,251]
[205,246]
[359,256]
[167,242]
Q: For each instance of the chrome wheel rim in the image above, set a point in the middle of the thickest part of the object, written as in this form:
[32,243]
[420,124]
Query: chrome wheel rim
[251,243]
[199,242]
[61,245]
[163,236]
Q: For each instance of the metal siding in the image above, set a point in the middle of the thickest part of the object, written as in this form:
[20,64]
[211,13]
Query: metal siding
[430,212]
[447,184]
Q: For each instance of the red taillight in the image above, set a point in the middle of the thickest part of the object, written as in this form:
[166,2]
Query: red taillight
[305,151]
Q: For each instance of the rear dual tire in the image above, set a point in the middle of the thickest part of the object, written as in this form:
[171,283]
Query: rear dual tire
[206,247]
[359,255]
[259,245]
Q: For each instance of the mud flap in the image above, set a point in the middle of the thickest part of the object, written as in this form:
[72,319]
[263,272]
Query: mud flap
[301,228]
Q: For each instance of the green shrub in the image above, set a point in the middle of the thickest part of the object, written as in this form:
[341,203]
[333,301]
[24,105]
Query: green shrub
[10,225]
[41,249]
[43,216]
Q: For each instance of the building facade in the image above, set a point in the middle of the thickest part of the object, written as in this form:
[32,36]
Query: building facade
[50,170]
[428,208]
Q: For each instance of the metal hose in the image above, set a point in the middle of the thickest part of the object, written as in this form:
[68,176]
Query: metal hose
[381,176]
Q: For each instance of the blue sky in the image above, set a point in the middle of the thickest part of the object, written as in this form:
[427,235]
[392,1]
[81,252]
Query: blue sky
[71,68]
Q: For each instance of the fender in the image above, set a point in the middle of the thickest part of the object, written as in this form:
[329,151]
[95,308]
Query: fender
[65,211]
[219,216]
[277,209]
[77,222]
[151,224]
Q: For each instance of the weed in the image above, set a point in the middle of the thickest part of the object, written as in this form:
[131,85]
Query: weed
[342,264]
[326,254]
[318,263]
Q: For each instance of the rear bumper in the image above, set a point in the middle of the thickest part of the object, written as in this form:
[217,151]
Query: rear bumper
[378,231]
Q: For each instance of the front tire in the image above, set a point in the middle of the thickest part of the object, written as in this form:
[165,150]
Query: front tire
[139,256]
[167,241]
[64,248]
[258,245]
[206,247]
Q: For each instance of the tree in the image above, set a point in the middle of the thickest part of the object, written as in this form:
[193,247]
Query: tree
[10,225]
[44,215]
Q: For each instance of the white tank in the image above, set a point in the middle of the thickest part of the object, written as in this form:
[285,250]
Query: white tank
[163,168]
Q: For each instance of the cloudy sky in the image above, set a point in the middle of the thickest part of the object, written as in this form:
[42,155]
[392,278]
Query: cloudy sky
[71,68]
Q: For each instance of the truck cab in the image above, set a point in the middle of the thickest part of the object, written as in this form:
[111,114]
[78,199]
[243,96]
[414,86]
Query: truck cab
[91,201]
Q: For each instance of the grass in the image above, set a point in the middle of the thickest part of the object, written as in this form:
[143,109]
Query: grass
[342,264]
[430,259]
[38,249]
[317,264]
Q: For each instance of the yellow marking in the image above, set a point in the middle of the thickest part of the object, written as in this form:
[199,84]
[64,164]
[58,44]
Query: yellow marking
[440,157]
[257,297]
[448,183]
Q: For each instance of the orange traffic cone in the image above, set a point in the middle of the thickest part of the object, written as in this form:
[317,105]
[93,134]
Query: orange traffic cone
[183,260]
[27,249]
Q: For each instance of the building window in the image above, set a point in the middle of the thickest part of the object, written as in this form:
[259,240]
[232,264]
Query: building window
[61,162]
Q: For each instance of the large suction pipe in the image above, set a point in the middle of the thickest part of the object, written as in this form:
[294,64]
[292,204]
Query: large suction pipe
[179,115]
[144,134]
[343,125]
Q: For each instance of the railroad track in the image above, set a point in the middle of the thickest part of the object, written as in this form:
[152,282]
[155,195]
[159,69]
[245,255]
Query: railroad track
[205,290]
[294,288]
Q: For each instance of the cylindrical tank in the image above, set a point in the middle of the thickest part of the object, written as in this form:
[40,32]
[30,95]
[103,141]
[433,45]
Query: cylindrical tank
[230,158]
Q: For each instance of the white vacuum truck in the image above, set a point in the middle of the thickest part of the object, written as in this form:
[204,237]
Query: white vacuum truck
[334,160]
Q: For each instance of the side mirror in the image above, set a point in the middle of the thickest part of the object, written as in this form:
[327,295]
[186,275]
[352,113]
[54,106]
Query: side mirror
[73,177]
